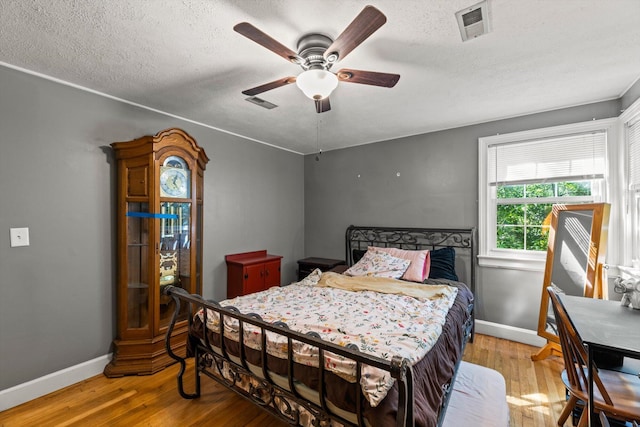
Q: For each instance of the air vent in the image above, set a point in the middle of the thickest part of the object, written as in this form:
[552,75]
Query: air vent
[261,102]
[473,21]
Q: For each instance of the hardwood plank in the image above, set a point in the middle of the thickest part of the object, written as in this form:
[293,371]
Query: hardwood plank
[90,412]
[535,395]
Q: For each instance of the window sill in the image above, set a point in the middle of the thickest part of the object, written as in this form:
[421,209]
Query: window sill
[629,271]
[513,261]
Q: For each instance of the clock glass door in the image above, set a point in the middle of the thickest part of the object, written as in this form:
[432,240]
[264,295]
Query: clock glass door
[197,285]
[175,258]
[137,265]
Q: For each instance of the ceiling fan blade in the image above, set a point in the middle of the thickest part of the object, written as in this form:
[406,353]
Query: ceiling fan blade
[368,77]
[365,24]
[323,105]
[263,39]
[268,86]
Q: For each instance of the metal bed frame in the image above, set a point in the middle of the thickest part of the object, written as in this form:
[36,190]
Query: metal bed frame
[277,397]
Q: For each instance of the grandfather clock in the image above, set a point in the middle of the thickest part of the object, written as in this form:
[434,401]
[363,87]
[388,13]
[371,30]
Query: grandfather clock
[159,243]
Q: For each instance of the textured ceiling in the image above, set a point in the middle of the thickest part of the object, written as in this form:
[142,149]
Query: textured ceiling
[183,58]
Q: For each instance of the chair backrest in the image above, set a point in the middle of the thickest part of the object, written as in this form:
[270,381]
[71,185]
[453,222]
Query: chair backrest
[573,351]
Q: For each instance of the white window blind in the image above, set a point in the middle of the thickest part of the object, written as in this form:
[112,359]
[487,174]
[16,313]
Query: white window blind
[633,139]
[567,158]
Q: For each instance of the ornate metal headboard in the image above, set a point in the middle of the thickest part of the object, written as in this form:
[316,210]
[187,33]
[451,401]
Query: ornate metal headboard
[463,240]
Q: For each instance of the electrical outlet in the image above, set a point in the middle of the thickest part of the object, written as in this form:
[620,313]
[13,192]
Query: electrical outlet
[19,237]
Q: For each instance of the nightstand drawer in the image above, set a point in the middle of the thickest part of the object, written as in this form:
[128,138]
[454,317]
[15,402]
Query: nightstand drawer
[307,265]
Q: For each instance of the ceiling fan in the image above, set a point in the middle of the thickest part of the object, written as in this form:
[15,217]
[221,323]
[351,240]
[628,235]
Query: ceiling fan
[316,55]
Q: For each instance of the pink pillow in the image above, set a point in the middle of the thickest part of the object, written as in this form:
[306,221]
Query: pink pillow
[420,262]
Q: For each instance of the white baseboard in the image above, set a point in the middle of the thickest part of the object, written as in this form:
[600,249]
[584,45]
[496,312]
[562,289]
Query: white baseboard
[25,392]
[511,333]
[22,393]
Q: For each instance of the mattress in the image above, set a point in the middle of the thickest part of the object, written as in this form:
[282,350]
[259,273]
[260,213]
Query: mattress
[479,398]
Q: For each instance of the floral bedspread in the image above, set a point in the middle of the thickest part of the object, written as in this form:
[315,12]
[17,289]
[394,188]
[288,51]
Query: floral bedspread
[380,324]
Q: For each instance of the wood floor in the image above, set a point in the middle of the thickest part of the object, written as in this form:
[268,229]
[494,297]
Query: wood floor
[534,392]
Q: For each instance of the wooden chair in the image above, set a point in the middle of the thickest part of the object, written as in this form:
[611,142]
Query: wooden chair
[615,393]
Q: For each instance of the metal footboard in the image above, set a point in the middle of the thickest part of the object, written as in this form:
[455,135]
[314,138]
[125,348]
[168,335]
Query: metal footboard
[282,399]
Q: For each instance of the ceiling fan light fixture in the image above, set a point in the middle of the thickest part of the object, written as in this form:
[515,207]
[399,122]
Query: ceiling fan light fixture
[317,84]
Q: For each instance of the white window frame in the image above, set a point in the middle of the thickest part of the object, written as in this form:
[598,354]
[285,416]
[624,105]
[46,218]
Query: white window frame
[488,254]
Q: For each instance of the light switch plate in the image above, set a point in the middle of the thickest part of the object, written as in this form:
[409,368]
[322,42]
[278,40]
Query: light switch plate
[19,237]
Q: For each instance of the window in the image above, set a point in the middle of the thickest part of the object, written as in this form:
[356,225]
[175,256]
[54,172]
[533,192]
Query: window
[631,122]
[522,210]
[523,174]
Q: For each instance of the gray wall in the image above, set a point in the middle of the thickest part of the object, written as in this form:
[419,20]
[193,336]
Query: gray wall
[437,187]
[57,296]
[630,95]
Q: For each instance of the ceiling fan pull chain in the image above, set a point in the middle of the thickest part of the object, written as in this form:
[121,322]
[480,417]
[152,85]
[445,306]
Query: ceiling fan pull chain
[318,139]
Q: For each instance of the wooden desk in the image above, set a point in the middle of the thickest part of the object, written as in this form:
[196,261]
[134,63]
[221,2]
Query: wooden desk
[603,325]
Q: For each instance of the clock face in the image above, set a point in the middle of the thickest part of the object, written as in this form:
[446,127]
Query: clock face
[174,182]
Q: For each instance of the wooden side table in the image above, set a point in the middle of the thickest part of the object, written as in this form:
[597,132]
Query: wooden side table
[307,265]
[251,272]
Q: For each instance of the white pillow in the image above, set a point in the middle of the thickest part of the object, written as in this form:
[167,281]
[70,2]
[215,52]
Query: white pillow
[379,264]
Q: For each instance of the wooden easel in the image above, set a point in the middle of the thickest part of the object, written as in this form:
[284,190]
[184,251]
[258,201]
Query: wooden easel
[552,348]
[548,350]
[559,234]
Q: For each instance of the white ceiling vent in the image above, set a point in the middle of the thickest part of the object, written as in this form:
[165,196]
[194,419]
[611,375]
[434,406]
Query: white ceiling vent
[473,21]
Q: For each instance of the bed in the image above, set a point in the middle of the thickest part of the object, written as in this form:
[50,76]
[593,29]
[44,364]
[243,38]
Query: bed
[307,371]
